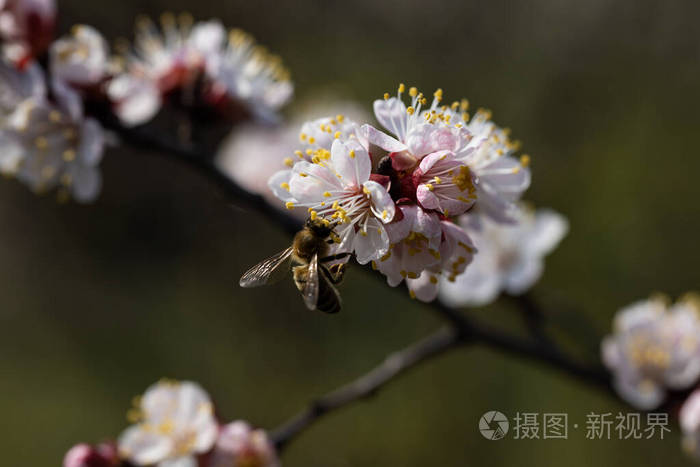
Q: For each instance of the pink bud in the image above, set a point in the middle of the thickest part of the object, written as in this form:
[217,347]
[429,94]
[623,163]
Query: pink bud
[85,455]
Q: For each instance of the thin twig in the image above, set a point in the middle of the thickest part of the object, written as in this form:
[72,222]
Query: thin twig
[367,385]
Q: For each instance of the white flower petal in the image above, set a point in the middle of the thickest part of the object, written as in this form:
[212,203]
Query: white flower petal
[144,447]
[352,162]
[523,275]
[136,100]
[279,184]
[184,461]
[381,139]
[371,243]
[381,204]
[392,115]
[425,288]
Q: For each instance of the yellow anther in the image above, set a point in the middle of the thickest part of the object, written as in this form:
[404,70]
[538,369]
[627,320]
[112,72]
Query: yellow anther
[413,92]
[313,215]
[365,190]
[465,116]
[433,280]
[302,174]
[48,172]
[289,205]
[464,105]
[337,134]
[327,194]
[386,96]
[430,186]
[41,142]
[69,155]
[438,180]
[303,136]
[288,161]
[374,265]
[438,94]
[340,118]
[352,154]
[410,110]
[525,160]
[402,88]
[312,140]
[308,152]
[285,185]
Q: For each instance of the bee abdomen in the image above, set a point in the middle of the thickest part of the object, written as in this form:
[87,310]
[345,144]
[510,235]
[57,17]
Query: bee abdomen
[328,300]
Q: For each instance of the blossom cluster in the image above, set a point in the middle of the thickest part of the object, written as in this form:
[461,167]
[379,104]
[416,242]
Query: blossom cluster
[655,348]
[396,196]
[175,426]
[197,63]
[50,136]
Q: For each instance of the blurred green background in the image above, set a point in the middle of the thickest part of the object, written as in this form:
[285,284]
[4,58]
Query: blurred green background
[100,301]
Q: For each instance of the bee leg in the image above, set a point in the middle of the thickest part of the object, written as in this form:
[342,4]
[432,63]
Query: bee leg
[334,238]
[334,257]
[335,273]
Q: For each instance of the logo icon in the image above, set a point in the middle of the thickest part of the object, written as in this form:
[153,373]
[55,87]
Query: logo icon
[493,425]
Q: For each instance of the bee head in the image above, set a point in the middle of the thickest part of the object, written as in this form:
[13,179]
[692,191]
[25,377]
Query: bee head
[320,227]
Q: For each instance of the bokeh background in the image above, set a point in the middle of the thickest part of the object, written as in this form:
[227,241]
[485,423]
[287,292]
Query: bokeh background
[100,301]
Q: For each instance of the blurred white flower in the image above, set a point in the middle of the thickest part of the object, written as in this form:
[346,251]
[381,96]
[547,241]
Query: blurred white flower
[654,348]
[52,144]
[80,59]
[175,423]
[250,75]
[510,257]
[690,424]
[239,445]
[26,28]
[235,75]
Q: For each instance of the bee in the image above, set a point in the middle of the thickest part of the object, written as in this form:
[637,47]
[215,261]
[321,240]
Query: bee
[307,258]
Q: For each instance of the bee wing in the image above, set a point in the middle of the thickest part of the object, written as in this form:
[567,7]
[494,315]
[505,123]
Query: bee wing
[268,271]
[310,292]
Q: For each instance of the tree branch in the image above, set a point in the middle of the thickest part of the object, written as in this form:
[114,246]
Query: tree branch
[367,385]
